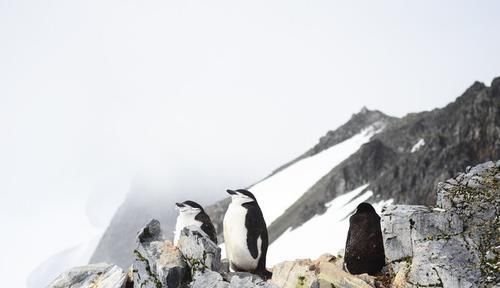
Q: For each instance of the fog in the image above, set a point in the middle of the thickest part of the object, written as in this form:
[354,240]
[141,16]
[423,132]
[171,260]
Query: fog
[97,96]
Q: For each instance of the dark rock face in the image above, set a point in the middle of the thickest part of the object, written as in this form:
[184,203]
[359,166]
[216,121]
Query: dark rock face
[455,244]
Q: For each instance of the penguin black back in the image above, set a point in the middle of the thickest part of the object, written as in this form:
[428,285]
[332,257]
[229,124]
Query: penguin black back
[364,250]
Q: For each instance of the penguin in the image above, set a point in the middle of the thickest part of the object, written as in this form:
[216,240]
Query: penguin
[191,213]
[364,249]
[245,234]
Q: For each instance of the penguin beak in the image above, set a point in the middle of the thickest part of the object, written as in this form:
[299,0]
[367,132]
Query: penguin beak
[180,205]
[232,192]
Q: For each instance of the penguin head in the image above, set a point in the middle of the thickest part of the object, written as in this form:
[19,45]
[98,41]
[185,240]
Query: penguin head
[365,208]
[241,196]
[189,207]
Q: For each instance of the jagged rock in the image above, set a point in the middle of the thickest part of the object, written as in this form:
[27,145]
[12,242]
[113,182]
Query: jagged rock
[100,275]
[158,263]
[324,272]
[199,251]
[453,245]
[208,279]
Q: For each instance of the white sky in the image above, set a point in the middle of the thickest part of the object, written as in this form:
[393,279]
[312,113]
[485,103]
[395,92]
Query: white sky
[97,94]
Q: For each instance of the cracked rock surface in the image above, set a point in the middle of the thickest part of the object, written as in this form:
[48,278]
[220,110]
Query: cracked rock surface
[100,275]
[456,243]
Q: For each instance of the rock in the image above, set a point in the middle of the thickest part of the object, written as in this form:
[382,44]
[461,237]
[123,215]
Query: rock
[247,280]
[299,273]
[158,263]
[208,279]
[100,275]
[452,245]
[199,251]
[326,271]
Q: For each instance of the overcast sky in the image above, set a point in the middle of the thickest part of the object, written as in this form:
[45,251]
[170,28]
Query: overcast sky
[96,95]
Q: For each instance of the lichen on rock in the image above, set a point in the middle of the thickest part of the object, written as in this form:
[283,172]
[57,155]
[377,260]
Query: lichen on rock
[454,244]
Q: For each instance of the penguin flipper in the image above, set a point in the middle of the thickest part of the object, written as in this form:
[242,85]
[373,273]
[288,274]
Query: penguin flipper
[256,228]
[207,226]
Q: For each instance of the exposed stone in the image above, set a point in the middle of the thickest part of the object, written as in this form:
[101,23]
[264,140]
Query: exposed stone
[100,275]
[326,271]
[199,251]
[208,279]
[452,245]
[247,280]
[157,263]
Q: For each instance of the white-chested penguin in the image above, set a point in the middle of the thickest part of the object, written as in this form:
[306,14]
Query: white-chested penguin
[364,249]
[191,213]
[245,234]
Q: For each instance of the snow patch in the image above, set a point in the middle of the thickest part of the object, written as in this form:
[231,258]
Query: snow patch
[418,145]
[281,190]
[326,233]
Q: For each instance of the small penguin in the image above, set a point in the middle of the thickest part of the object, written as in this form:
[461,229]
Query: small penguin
[191,213]
[364,249]
[245,234]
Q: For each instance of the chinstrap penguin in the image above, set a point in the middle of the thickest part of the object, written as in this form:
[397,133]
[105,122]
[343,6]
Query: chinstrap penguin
[191,213]
[364,249]
[245,234]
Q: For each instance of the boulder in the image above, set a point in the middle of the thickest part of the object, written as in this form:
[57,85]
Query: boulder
[208,279]
[158,263]
[454,244]
[326,271]
[199,251]
[100,275]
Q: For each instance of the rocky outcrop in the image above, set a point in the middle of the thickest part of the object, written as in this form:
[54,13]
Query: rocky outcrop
[158,263]
[199,251]
[96,275]
[454,244]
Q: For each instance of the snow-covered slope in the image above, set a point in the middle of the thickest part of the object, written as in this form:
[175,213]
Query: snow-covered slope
[278,192]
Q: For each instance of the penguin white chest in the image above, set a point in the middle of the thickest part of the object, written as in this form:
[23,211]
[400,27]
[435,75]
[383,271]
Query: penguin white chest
[235,238]
[183,221]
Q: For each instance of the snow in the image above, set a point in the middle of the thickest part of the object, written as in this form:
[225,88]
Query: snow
[281,190]
[418,145]
[326,233]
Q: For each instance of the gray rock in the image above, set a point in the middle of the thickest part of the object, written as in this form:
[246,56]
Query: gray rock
[100,275]
[208,279]
[199,251]
[157,263]
[247,280]
[452,245]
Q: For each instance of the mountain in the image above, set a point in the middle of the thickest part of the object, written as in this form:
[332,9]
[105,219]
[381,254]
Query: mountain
[373,157]
[402,162]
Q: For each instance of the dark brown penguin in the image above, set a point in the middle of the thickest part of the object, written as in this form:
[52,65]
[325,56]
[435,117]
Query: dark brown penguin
[364,249]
